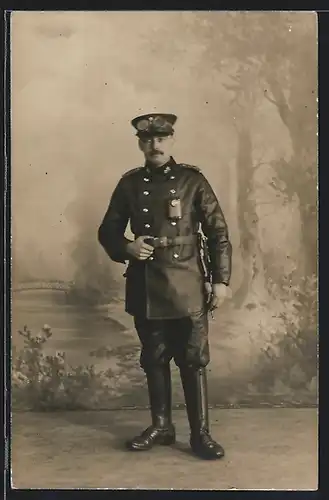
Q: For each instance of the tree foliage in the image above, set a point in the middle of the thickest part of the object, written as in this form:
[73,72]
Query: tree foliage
[272,56]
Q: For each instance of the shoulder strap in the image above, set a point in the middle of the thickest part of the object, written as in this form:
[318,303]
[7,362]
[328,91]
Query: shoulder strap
[132,171]
[192,167]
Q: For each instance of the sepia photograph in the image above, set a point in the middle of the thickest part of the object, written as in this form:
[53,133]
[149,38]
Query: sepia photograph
[164,295]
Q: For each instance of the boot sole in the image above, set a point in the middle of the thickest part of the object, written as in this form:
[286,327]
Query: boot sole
[205,455]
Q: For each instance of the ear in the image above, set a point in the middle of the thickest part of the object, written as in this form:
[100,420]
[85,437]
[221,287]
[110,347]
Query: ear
[140,144]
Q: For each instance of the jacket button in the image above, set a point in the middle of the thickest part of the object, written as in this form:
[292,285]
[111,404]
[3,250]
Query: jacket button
[147,225]
[151,257]
[173,191]
[146,193]
[146,179]
[172,177]
[176,255]
[145,209]
[173,223]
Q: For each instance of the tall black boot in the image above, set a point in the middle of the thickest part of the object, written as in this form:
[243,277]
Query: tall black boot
[162,430]
[194,383]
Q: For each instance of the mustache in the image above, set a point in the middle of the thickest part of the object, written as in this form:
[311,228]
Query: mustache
[156,152]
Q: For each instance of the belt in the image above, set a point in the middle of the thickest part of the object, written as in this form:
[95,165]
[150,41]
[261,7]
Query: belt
[166,241]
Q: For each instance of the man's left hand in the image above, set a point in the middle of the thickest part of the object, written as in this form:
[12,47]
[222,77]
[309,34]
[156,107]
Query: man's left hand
[220,293]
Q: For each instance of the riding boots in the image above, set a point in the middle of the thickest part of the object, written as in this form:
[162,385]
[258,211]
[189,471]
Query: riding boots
[194,383]
[161,431]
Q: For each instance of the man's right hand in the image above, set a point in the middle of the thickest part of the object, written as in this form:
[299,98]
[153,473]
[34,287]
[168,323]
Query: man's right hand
[139,249]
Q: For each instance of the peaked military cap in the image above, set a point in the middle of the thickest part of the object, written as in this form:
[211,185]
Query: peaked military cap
[154,124]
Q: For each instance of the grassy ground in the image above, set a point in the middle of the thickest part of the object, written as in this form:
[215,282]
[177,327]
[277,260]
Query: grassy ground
[265,449]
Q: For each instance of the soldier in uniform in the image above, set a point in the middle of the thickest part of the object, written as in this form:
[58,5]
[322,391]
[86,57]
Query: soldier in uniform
[169,205]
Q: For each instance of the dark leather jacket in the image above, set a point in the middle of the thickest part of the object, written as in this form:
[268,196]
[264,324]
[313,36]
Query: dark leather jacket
[171,285]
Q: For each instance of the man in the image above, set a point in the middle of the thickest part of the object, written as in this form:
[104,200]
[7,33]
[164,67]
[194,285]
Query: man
[167,204]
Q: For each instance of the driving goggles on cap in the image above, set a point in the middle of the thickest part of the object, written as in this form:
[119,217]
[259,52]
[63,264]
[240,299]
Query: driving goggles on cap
[156,123]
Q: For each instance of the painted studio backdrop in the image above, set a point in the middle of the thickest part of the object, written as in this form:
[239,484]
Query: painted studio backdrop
[244,86]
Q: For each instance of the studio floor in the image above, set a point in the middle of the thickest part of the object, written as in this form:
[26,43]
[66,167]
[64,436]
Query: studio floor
[265,449]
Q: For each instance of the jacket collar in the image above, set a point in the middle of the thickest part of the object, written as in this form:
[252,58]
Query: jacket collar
[164,169]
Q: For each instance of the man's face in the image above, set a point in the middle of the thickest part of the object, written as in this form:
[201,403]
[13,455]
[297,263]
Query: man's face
[157,149]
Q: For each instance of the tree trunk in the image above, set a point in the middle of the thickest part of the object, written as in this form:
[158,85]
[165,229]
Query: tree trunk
[253,275]
[300,120]
[309,239]
[305,171]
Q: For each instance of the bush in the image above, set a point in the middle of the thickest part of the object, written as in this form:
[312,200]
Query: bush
[289,361]
[48,382]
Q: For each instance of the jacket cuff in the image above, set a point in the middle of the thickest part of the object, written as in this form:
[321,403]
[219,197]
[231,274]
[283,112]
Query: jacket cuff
[120,254]
[218,278]
[123,254]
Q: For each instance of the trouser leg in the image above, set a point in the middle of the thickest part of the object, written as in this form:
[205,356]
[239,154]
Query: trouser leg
[155,361]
